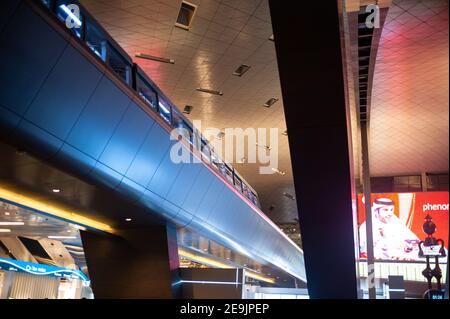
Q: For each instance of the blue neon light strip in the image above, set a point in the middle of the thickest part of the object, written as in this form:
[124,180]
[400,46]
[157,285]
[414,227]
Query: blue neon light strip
[41,270]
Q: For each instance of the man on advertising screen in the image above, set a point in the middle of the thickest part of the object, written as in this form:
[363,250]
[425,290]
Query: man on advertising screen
[392,239]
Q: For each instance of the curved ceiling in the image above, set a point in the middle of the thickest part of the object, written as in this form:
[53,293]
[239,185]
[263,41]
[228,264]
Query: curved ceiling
[410,107]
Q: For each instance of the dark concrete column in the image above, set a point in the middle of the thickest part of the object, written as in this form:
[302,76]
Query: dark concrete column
[137,263]
[308,45]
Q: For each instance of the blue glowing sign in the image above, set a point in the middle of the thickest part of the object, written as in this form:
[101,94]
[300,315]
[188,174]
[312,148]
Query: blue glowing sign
[42,270]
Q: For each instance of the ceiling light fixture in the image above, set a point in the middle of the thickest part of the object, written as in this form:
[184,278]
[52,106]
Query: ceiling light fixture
[270,102]
[128,219]
[12,223]
[214,92]
[241,70]
[263,146]
[285,133]
[291,197]
[4,230]
[56,190]
[272,38]
[154,58]
[187,109]
[276,170]
[7,213]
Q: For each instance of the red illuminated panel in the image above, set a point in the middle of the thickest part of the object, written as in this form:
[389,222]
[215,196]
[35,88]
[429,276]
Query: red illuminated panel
[397,222]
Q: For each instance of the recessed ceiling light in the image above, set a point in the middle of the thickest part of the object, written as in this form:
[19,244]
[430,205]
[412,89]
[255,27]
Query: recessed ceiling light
[5,230]
[128,219]
[62,237]
[270,102]
[7,213]
[154,58]
[56,190]
[12,223]
[209,91]
[241,70]
[185,15]
[187,109]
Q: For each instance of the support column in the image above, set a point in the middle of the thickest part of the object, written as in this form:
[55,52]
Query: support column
[137,263]
[368,211]
[308,45]
[424,181]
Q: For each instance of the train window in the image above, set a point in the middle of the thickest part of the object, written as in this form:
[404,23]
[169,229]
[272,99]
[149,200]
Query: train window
[164,110]
[245,190]
[254,199]
[70,15]
[237,183]
[214,160]
[179,123]
[146,91]
[119,65]
[206,151]
[228,174]
[96,40]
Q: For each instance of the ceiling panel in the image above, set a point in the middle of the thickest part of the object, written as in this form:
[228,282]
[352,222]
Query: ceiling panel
[409,115]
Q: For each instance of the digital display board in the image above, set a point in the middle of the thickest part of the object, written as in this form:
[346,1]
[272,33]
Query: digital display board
[397,220]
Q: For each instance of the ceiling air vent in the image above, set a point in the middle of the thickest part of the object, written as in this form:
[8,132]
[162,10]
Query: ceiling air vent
[241,70]
[186,15]
[270,102]
[209,91]
[187,109]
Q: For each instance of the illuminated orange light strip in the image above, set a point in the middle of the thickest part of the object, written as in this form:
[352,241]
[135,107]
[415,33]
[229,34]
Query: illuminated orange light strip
[52,210]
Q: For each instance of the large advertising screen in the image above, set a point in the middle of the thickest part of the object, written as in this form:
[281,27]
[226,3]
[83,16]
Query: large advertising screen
[397,220]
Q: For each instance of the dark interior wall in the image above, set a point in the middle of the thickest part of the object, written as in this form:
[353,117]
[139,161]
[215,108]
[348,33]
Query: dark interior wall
[137,263]
[221,290]
[308,46]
